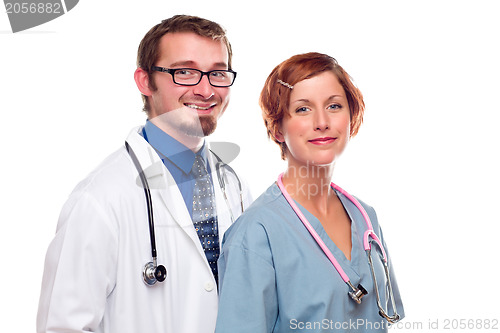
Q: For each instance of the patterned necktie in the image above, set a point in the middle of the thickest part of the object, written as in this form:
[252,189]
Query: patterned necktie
[204,214]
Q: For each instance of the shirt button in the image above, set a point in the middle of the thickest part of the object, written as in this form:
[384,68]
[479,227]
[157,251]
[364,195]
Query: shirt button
[209,286]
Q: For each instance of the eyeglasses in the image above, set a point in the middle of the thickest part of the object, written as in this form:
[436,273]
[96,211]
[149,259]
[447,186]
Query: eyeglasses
[191,76]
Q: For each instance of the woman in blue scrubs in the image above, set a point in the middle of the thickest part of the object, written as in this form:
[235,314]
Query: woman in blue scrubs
[274,277]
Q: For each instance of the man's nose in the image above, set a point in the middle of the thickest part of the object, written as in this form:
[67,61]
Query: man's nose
[204,88]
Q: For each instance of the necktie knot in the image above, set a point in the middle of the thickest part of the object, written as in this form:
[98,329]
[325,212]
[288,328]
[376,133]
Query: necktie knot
[199,169]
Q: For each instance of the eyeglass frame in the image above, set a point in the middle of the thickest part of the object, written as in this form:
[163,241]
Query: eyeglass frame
[171,71]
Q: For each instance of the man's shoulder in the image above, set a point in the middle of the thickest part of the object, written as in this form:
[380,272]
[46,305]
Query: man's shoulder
[100,196]
[108,176]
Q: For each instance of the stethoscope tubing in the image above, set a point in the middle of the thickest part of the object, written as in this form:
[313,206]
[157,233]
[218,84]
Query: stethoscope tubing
[369,233]
[149,202]
[356,293]
[219,164]
[311,230]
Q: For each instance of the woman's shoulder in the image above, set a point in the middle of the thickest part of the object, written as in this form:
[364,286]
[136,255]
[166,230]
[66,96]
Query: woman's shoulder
[259,218]
[370,211]
[264,204]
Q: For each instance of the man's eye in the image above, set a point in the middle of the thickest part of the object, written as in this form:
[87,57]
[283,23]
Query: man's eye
[184,72]
[218,74]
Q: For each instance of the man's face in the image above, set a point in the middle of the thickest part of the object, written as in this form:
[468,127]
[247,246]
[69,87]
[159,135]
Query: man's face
[189,110]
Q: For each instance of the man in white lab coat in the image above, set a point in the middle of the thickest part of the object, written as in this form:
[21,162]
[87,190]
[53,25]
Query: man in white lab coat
[94,278]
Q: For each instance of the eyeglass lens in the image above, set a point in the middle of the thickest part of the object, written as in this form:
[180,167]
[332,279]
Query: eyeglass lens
[193,76]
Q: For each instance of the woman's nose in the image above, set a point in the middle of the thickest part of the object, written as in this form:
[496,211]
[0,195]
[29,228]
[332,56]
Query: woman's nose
[321,120]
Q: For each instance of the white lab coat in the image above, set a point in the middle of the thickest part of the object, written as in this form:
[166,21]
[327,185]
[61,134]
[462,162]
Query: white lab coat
[93,271]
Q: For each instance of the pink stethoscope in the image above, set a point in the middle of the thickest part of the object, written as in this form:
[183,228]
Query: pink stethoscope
[356,293]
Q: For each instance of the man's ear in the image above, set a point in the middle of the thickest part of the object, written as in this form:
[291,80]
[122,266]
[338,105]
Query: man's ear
[141,78]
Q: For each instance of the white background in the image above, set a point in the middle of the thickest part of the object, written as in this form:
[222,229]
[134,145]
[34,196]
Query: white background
[425,157]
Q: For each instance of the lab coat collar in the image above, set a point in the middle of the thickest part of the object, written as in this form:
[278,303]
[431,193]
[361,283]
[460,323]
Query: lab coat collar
[167,147]
[149,160]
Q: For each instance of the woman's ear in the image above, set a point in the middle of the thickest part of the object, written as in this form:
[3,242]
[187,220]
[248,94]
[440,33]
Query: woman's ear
[278,135]
[141,78]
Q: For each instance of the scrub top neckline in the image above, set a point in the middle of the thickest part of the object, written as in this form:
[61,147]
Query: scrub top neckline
[349,266]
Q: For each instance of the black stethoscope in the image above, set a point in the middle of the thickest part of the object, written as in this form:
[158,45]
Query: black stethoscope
[153,272]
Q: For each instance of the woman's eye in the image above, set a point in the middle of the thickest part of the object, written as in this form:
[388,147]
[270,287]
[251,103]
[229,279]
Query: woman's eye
[302,109]
[335,107]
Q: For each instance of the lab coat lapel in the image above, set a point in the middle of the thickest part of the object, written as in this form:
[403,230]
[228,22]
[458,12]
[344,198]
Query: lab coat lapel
[162,183]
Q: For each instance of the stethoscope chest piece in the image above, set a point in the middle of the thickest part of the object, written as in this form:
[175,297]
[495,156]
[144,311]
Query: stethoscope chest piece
[357,293]
[153,273]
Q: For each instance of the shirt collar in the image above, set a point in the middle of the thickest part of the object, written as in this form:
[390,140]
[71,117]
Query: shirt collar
[173,150]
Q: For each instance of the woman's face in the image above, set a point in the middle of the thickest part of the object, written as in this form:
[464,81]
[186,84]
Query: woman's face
[317,128]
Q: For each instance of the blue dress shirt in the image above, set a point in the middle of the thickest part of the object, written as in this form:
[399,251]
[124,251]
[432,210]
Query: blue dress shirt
[178,159]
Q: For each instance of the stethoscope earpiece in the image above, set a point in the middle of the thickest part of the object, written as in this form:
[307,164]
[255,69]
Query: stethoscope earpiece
[153,273]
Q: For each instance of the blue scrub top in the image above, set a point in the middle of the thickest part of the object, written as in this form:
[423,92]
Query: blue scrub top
[275,278]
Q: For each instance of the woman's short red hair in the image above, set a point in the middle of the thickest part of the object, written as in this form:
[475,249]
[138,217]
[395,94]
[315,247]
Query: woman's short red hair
[275,96]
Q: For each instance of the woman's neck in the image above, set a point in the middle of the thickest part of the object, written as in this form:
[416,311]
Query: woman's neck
[310,185]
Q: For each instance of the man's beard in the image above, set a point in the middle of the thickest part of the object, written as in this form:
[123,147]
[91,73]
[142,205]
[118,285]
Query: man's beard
[183,121]
[204,126]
